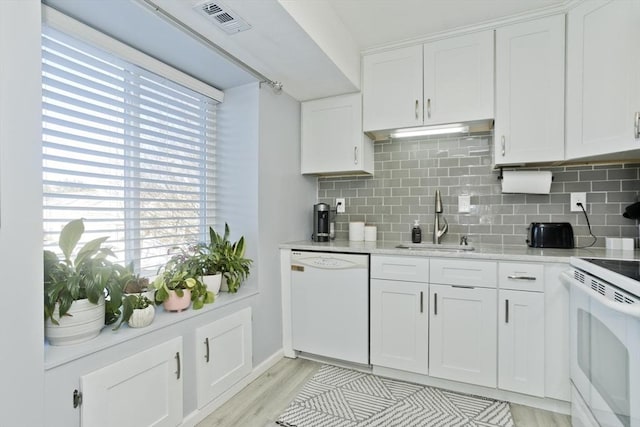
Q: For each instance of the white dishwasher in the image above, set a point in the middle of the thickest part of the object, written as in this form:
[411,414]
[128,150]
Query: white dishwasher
[330,305]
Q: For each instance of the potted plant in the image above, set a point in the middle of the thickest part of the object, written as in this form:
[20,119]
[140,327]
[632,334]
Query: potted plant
[78,287]
[179,283]
[230,257]
[137,310]
[209,259]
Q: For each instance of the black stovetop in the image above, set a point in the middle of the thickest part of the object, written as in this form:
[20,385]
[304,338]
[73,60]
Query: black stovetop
[628,268]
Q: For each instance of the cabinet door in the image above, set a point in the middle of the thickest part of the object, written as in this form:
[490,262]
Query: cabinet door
[224,355]
[332,137]
[458,79]
[141,390]
[462,334]
[603,78]
[392,89]
[529,123]
[521,342]
[399,325]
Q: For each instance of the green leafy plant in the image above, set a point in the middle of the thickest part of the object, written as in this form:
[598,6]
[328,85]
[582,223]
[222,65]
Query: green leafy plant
[130,303]
[229,257]
[183,271]
[88,274]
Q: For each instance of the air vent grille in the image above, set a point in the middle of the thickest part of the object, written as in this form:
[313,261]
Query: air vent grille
[222,16]
[605,289]
[598,287]
[211,8]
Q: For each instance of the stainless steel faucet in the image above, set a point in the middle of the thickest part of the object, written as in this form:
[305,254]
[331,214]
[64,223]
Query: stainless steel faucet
[437,231]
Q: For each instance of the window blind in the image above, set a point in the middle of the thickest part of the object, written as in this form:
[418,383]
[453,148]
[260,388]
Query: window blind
[130,152]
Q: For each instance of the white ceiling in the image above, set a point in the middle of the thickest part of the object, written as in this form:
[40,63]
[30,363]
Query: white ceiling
[312,46]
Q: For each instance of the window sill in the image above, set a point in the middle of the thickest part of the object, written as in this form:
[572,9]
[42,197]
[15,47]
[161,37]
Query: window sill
[55,356]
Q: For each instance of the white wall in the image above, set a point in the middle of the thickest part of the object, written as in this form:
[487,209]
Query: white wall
[285,204]
[264,197]
[21,314]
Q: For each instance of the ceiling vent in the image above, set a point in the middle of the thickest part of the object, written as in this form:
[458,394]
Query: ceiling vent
[222,16]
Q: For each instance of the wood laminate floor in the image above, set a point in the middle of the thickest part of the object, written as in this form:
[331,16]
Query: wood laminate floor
[261,402]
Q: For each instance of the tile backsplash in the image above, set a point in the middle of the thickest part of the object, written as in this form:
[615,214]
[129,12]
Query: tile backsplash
[408,172]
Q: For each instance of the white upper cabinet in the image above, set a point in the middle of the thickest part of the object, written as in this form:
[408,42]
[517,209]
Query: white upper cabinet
[445,81]
[392,89]
[458,79]
[603,79]
[529,124]
[332,137]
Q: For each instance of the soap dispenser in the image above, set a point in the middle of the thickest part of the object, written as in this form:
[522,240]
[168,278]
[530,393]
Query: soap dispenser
[416,232]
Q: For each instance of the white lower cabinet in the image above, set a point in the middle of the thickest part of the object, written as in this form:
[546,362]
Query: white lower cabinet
[463,336]
[224,355]
[498,324]
[142,390]
[399,325]
[521,342]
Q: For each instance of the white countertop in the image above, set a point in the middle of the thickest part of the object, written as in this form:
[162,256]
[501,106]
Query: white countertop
[497,252]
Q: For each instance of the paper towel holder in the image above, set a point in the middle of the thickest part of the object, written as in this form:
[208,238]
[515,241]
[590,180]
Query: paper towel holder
[501,176]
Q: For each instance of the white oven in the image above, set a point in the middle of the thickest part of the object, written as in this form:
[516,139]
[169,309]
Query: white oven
[605,341]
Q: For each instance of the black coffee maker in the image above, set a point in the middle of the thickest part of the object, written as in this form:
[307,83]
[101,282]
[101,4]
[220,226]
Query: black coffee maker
[321,222]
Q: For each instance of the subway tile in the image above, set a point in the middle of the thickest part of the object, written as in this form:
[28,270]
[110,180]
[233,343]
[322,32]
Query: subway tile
[632,185]
[625,173]
[407,174]
[623,197]
[572,187]
[606,185]
[593,175]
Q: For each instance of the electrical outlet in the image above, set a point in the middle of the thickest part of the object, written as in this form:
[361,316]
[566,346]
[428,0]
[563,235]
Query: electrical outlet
[464,203]
[340,205]
[578,198]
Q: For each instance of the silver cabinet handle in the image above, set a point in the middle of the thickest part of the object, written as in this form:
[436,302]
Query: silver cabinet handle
[506,311]
[503,145]
[429,107]
[421,302]
[178,364]
[416,108]
[355,155]
[435,304]
[514,277]
[206,343]
[637,125]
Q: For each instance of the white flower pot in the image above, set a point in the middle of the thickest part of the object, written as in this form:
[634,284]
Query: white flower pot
[83,322]
[213,282]
[142,317]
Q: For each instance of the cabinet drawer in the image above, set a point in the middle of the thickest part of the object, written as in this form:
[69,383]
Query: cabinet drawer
[521,276]
[410,269]
[463,272]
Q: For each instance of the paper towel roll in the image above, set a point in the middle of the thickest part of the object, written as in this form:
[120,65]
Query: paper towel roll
[529,182]
[356,231]
[370,233]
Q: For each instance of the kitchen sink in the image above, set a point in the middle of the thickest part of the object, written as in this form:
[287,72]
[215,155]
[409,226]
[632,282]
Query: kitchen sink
[434,247]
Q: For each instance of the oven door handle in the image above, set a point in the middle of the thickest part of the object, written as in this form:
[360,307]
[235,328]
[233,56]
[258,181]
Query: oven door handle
[629,309]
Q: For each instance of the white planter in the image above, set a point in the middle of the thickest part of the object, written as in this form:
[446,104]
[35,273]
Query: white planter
[83,322]
[142,317]
[213,282]
[223,286]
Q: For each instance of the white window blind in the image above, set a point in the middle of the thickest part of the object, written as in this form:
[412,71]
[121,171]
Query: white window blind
[130,152]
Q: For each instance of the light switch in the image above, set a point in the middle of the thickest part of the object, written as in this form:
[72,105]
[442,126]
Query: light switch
[464,203]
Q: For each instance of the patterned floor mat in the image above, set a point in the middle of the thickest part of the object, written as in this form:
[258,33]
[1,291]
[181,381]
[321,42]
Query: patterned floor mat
[338,397]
